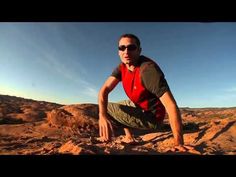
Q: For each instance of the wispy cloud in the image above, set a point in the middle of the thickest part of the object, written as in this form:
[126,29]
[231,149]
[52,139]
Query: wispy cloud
[78,78]
[91,92]
[227,96]
[49,56]
[231,90]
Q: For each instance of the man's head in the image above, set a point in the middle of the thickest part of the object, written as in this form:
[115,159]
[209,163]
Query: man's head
[129,48]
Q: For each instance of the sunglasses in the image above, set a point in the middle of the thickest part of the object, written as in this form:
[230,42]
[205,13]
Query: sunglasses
[131,47]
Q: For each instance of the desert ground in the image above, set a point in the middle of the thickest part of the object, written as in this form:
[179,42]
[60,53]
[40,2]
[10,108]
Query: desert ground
[30,127]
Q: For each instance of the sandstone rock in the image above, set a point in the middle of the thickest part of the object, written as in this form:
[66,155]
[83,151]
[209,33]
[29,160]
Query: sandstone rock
[82,116]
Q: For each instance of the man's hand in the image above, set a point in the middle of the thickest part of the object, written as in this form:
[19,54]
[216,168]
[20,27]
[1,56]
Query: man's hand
[105,128]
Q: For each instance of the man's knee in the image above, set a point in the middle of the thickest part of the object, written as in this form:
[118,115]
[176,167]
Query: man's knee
[126,103]
[112,108]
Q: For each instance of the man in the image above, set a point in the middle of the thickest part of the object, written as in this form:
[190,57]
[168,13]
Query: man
[145,85]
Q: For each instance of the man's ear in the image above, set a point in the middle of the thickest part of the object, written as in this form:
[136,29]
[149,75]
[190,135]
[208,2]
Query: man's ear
[140,50]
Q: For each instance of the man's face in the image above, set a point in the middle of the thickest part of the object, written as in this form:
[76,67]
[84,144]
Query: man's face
[129,52]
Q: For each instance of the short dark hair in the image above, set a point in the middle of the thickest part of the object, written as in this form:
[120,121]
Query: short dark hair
[131,36]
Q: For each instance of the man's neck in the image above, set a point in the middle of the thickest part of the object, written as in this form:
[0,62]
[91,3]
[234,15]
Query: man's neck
[130,67]
[133,65]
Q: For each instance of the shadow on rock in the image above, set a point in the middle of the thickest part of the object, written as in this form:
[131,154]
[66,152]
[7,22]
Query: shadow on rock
[83,117]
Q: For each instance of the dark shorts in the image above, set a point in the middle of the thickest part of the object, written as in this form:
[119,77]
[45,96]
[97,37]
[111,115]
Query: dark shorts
[126,114]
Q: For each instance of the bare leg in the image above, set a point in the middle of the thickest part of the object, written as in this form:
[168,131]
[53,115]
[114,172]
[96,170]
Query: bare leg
[128,136]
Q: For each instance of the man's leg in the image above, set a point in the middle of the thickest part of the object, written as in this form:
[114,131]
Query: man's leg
[128,115]
[125,114]
[128,136]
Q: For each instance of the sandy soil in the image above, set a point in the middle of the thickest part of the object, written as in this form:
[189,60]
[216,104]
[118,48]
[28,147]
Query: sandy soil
[42,128]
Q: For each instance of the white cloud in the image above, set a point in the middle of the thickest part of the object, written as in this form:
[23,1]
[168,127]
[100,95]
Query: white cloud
[87,88]
[91,92]
[49,57]
[233,89]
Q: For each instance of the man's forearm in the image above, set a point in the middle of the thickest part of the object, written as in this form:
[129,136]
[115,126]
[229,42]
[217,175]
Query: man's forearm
[176,125]
[108,86]
[103,101]
[173,112]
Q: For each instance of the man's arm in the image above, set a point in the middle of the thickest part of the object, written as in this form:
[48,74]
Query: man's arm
[104,124]
[173,112]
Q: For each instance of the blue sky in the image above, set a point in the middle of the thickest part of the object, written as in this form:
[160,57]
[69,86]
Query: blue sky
[68,62]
